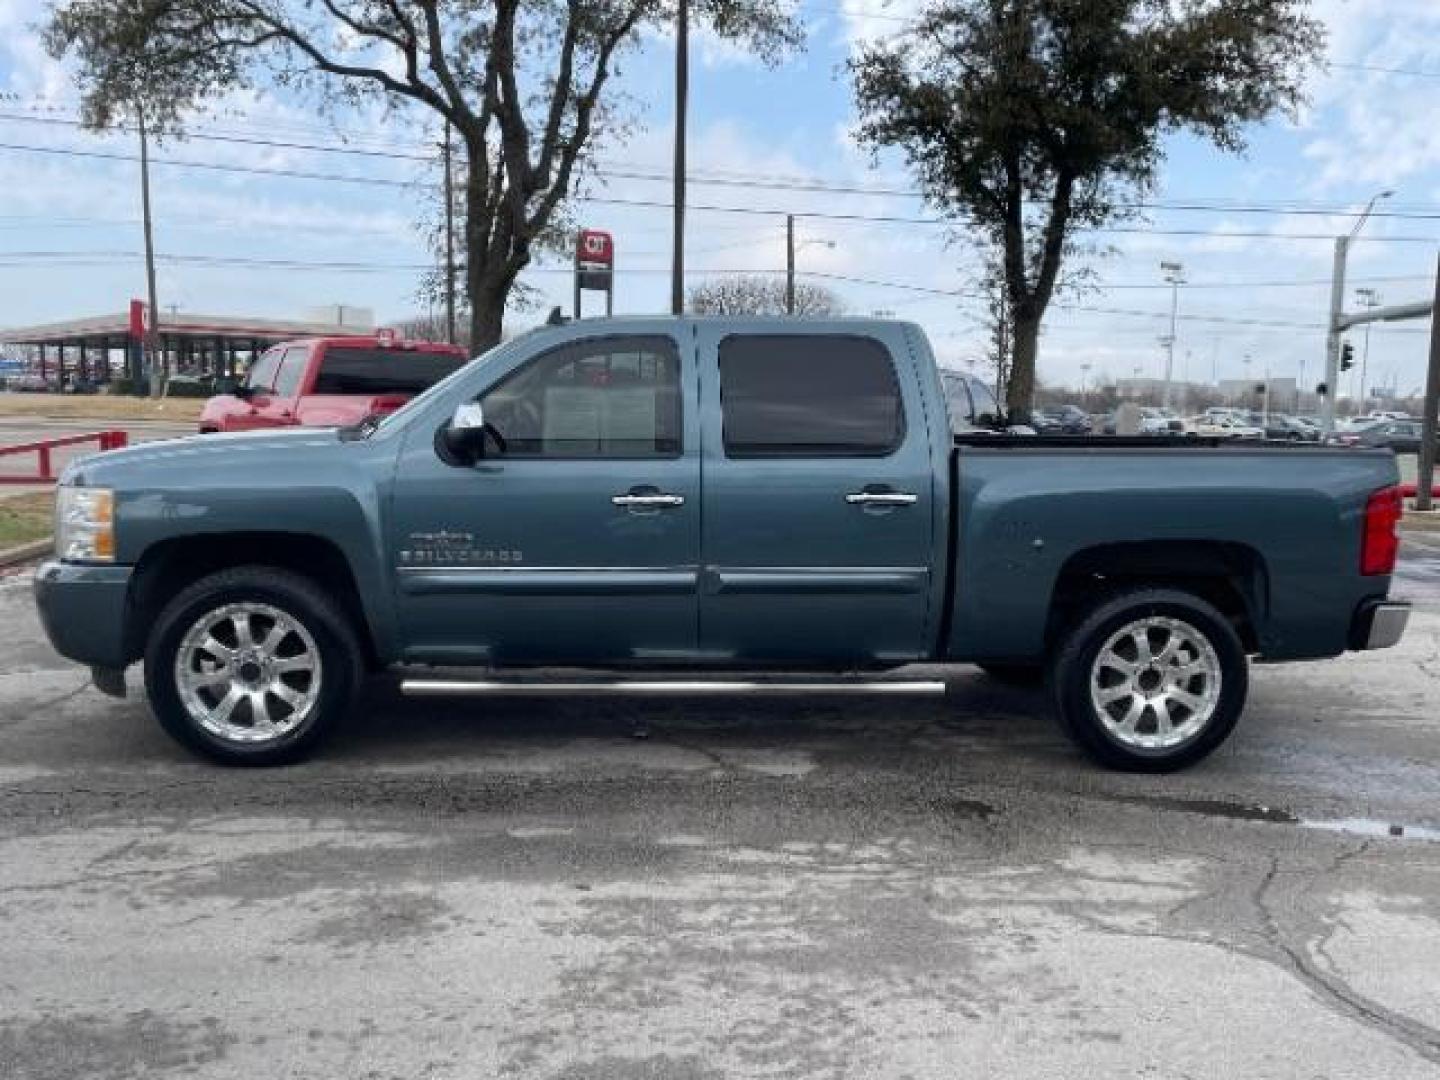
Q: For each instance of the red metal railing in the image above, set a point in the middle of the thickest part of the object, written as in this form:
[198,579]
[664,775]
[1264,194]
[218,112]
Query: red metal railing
[45,468]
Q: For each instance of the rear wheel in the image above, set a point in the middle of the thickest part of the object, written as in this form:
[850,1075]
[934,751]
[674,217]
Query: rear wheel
[251,666]
[1151,680]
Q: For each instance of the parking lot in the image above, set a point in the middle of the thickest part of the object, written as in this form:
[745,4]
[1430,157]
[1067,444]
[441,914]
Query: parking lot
[598,888]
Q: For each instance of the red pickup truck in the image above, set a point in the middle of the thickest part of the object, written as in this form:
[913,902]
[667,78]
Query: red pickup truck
[330,382]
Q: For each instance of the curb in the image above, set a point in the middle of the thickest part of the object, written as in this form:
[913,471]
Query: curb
[23,553]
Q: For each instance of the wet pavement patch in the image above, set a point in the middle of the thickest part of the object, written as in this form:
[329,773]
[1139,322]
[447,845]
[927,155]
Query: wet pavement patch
[1221,808]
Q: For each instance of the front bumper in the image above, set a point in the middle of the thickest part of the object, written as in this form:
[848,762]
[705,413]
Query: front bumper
[1379,624]
[83,609]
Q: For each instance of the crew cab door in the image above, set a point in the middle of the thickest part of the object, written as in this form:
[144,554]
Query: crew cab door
[821,526]
[271,383]
[281,408]
[579,540]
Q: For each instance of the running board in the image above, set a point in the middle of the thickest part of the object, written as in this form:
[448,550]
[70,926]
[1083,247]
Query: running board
[627,687]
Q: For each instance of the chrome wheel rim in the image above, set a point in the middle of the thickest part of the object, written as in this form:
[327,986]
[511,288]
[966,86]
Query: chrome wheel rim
[1155,683]
[248,673]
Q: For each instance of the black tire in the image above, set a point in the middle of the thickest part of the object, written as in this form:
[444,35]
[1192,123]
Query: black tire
[1025,676]
[1074,661]
[299,598]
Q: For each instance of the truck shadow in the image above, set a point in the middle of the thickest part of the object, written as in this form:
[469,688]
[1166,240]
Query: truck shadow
[975,711]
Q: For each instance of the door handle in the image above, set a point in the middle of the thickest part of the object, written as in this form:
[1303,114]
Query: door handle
[642,501]
[881,498]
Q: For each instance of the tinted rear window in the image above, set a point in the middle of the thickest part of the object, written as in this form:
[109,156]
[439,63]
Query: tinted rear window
[351,370]
[788,395]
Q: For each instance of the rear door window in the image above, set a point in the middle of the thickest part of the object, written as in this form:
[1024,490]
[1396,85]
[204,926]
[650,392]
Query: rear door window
[791,395]
[350,369]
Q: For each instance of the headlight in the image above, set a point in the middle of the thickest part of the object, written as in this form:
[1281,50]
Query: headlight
[85,524]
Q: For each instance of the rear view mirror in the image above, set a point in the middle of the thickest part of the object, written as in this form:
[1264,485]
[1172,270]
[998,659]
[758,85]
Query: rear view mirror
[462,440]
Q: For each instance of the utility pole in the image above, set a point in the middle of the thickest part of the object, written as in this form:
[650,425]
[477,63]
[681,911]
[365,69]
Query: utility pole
[1425,482]
[789,264]
[1337,314]
[155,363]
[449,242]
[682,102]
[1175,275]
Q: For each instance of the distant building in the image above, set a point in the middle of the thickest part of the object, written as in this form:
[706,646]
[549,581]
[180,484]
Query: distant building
[1284,393]
[1154,390]
[346,315]
[99,348]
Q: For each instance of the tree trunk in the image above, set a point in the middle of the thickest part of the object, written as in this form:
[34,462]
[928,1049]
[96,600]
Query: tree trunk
[1020,392]
[487,285]
[487,320]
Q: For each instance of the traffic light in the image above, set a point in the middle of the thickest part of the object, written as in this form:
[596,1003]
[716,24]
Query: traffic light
[1347,356]
[1321,389]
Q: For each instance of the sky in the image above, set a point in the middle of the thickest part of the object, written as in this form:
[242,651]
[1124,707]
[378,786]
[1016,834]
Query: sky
[265,244]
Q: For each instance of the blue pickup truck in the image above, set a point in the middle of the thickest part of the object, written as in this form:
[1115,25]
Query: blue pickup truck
[702,498]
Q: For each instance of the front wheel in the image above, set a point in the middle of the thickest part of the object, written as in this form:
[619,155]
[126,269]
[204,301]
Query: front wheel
[1151,680]
[251,666]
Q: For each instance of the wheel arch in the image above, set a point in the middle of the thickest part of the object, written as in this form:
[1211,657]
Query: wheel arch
[1231,577]
[168,567]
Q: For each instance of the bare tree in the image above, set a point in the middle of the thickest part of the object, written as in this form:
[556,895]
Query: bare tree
[522,82]
[757,294]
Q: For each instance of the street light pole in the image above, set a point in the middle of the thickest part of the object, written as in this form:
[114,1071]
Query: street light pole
[1337,312]
[791,247]
[1368,298]
[1175,275]
[789,264]
[682,104]
[1429,431]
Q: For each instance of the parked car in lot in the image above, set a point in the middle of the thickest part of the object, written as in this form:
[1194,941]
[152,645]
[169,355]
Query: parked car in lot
[1401,436]
[1061,420]
[1223,427]
[329,382]
[30,384]
[709,496]
[1280,426]
[1152,421]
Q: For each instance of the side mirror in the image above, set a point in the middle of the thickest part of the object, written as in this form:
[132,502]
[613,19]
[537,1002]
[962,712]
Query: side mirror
[462,440]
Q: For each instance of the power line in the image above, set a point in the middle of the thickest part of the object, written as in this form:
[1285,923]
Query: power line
[817,215]
[716,178]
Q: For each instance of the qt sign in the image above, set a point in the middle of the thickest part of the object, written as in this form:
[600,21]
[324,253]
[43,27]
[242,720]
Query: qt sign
[595,266]
[596,249]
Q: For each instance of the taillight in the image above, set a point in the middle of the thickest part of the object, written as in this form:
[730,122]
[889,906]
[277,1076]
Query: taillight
[1380,544]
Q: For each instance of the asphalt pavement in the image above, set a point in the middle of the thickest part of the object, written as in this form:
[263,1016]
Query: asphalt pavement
[851,888]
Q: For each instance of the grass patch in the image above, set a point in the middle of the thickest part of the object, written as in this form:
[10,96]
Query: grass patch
[24,518]
[100,407]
